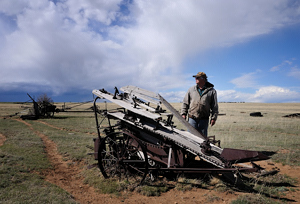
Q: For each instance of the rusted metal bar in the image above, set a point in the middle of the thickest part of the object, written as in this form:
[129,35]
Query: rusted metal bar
[204,170]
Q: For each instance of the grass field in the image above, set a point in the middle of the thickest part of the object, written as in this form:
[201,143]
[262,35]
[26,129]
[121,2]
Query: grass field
[271,132]
[23,157]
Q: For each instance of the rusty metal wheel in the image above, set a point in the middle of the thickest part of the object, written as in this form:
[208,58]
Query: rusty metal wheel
[122,156]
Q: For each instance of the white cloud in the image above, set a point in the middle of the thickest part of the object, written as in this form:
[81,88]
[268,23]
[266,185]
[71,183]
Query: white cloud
[82,11]
[275,94]
[294,72]
[284,64]
[174,96]
[232,96]
[12,7]
[89,44]
[275,68]
[248,80]
[267,94]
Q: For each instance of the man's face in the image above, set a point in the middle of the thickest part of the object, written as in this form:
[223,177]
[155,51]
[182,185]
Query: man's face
[200,81]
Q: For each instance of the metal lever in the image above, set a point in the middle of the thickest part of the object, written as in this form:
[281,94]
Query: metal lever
[116,92]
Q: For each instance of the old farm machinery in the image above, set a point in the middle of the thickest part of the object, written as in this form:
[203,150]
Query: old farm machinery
[141,140]
[41,108]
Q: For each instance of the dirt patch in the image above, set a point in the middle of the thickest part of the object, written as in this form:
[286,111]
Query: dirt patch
[291,171]
[58,128]
[67,175]
[2,139]
[284,151]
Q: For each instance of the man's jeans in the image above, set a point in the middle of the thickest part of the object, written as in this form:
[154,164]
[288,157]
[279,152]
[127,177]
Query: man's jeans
[200,125]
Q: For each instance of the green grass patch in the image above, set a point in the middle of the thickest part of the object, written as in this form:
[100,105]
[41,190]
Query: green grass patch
[23,149]
[268,189]
[277,185]
[70,144]
[21,155]
[116,187]
[290,157]
[152,189]
[23,152]
[186,184]
[31,188]
[94,178]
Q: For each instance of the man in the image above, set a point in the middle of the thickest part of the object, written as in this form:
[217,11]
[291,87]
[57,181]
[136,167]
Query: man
[199,102]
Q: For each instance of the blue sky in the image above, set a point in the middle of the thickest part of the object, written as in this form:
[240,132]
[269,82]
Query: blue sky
[250,50]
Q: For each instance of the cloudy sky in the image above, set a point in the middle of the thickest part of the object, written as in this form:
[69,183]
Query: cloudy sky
[250,50]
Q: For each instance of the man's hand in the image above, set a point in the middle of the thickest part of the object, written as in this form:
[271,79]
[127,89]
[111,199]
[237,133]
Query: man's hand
[184,116]
[212,122]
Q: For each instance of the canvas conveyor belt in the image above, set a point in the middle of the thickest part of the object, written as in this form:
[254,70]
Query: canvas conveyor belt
[188,143]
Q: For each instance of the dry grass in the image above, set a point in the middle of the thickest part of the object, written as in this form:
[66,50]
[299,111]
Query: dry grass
[235,128]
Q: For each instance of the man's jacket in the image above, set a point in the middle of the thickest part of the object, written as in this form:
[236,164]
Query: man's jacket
[199,107]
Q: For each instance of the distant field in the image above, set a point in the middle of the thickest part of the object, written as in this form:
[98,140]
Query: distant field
[271,132]
[235,127]
[22,147]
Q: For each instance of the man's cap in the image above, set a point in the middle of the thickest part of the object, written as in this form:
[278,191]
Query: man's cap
[200,74]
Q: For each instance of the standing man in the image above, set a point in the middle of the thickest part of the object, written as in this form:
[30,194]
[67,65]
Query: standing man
[199,102]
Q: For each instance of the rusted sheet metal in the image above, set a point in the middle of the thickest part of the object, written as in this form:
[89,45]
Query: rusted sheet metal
[238,155]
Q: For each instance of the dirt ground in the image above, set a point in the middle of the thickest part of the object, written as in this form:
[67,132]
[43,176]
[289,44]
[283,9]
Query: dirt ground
[68,177]
[2,139]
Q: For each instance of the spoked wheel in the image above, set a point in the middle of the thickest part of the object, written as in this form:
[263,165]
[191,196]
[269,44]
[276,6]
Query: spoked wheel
[50,114]
[122,156]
